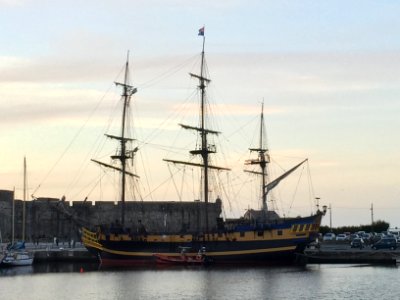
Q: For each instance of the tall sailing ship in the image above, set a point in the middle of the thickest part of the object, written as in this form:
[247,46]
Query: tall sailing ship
[267,238]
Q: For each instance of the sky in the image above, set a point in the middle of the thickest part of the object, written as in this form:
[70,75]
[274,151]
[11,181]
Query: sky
[327,71]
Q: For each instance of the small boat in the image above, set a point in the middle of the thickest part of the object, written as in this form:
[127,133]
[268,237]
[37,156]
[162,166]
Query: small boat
[15,253]
[183,258]
[17,258]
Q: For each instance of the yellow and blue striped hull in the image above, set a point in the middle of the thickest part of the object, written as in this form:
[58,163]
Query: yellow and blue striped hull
[272,244]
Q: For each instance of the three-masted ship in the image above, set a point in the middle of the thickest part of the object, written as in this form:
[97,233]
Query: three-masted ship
[265,239]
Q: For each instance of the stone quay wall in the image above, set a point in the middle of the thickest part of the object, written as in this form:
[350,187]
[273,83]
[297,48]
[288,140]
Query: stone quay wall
[47,218]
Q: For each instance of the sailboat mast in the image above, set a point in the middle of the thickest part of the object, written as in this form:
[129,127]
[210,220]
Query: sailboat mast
[24,202]
[13,218]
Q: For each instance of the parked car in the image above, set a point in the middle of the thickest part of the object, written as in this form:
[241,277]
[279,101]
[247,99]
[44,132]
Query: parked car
[341,237]
[329,236]
[385,243]
[367,238]
[353,236]
[376,238]
[357,243]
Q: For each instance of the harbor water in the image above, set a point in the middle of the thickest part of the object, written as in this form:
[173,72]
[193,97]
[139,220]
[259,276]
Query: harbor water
[77,281]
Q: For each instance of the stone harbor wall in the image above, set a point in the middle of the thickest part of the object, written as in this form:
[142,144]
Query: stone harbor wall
[47,218]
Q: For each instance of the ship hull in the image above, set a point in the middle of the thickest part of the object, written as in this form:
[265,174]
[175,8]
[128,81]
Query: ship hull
[273,244]
[232,253]
[275,257]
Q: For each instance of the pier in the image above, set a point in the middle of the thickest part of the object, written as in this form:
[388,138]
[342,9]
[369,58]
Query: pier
[64,255]
[327,253]
[336,252]
[49,252]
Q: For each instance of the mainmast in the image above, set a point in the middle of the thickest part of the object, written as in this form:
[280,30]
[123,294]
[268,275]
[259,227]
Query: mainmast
[205,148]
[124,155]
[262,160]
[204,151]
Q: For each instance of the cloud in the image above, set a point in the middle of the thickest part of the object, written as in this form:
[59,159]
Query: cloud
[310,73]
[24,103]
[53,69]
[259,74]
[12,3]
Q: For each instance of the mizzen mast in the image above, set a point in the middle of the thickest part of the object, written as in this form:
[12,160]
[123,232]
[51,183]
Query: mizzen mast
[262,160]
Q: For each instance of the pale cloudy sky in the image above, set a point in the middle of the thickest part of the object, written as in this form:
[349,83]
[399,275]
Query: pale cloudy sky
[328,71]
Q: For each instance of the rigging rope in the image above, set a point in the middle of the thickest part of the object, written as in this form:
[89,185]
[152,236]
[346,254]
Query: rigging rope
[296,188]
[173,181]
[70,143]
[166,74]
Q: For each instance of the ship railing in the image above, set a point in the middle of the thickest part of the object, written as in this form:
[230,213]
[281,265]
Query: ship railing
[89,237]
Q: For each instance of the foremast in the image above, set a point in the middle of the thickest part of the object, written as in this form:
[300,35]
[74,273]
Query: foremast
[205,149]
[124,154]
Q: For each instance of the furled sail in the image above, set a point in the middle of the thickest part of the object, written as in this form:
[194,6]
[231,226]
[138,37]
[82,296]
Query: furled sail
[268,187]
[195,164]
[115,168]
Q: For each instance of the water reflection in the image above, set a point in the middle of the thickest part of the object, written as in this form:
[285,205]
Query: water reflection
[66,267]
[49,268]
[58,267]
[13,271]
[87,281]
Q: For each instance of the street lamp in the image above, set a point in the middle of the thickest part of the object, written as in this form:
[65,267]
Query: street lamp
[317,198]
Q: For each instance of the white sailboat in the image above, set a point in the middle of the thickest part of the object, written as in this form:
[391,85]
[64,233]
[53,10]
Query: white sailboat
[15,254]
[17,258]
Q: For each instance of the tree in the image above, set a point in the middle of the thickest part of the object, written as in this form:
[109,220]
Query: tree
[377,226]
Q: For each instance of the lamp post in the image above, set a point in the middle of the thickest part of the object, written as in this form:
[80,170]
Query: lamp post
[317,199]
[372,217]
